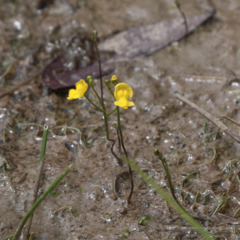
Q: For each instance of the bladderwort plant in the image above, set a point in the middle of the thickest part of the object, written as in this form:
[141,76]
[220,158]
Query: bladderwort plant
[121,99]
[121,95]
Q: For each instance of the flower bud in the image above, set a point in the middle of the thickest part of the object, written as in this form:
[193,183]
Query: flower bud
[156,152]
[108,83]
[114,80]
[90,80]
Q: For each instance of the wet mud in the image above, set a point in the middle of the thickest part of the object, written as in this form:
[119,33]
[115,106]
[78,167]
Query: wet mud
[203,161]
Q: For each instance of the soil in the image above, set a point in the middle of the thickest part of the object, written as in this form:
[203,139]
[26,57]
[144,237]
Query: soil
[203,161]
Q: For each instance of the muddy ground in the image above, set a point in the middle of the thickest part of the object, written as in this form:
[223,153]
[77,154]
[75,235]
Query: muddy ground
[204,162]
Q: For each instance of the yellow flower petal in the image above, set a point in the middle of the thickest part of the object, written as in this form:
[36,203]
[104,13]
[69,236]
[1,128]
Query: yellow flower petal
[123,89]
[122,93]
[81,85]
[73,94]
[124,103]
[130,103]
[81,88]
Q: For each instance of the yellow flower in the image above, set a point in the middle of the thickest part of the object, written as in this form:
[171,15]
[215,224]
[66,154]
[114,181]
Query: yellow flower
[81,88]
[122,93]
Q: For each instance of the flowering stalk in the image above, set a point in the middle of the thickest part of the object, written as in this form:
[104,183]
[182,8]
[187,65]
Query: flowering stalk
[105,115]
[80,91]
[94,38]
[121,95]
[126,154]
[123,92]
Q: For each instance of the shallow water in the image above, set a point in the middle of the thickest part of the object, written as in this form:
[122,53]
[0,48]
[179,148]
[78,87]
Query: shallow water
[202,67]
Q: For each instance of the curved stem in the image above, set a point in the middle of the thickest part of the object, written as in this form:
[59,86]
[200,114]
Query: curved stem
[126,154]
[111,140]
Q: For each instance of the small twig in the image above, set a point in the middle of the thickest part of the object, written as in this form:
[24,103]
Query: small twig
[8,70]
[214,155]
[231,120]
[10,183]
[177,228]
[10,91]
[10,163]
[211,118]
[23,178]
[221,203]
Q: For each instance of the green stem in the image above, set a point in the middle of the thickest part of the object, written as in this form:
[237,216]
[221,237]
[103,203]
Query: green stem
[111,112]
[40,199]
[110,90]
[198,227]
[98,108]
[102,100]
[106,125]
[100,72]
[37,184]
[99,99]
[44,142]
[118,135]
[165,166]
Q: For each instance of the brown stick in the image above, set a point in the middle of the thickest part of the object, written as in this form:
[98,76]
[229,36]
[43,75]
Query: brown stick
[211,118]
[231,120]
